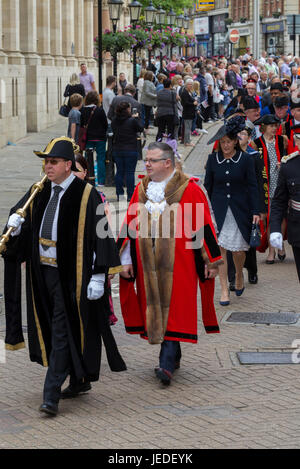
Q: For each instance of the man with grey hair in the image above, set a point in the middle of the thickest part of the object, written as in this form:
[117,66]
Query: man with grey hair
[167,233]
[128,96]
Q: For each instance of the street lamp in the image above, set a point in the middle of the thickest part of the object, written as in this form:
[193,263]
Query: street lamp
[186,23]
[115,7]
[161,16]
[180,21]
[171,18]
[180,24]
[135,9]
[150,12]
[161,20]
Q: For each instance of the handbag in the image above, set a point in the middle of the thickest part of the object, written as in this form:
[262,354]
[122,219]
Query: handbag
[64,108]
[82,135]
[255,237]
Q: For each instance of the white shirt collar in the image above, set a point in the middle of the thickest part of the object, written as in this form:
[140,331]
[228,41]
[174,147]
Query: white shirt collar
[65,184]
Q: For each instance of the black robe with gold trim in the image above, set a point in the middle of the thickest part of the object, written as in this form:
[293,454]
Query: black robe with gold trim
[77,241]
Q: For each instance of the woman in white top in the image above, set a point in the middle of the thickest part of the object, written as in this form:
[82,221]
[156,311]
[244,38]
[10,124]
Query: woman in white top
[140,83]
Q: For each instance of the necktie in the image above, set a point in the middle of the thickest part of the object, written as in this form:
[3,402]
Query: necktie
[49,216]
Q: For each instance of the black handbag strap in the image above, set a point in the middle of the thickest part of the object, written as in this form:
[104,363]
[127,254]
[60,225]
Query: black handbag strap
[91,115]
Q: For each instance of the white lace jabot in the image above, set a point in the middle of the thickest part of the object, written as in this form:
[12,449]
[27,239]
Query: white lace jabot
[156,195]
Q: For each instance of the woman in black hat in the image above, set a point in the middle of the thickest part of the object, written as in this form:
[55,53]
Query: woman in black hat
[232,188]
[272,148]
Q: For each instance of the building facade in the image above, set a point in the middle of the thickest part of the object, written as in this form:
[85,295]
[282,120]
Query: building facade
[273,30]
[214,20]
[41,44]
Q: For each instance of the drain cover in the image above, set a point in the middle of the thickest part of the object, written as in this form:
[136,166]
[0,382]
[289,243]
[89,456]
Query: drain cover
[266,358]
[264,318]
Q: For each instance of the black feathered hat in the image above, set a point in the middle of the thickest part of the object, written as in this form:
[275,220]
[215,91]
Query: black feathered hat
[232,127]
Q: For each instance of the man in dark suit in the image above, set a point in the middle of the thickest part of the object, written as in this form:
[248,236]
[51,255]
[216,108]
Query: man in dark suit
[130,92]
[287,199]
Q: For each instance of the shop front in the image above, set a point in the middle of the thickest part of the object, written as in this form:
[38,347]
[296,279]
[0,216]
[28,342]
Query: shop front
[274,37]
[201,32]
[218,29]
[243,44]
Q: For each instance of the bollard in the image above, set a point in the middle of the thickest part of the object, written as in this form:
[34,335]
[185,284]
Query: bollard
[109,164]
[89,156]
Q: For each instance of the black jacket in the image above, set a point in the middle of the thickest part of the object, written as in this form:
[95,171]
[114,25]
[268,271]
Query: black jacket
[125,131]
[232,183]
[189,108]
[98,124]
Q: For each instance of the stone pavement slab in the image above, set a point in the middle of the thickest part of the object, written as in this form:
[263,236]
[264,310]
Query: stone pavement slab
[213,401]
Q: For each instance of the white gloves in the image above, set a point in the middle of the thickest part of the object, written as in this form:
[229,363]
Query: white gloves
[276,240]
[15,221]
[95,289]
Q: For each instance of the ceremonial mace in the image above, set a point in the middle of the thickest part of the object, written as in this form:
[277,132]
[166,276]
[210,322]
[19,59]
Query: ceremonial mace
[37,187]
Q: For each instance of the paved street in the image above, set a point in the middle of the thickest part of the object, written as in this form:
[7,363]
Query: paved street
[213,402]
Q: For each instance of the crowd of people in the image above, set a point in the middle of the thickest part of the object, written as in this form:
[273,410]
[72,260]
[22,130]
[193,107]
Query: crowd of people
[251,184]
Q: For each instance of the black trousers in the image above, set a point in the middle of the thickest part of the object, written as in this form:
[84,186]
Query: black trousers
[296,251]
[165,122]
[170,353]
[60,363]
[250,264]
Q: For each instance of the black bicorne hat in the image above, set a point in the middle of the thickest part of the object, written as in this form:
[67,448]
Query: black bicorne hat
[267,119]
[62,147]
[249,103]
[281,101]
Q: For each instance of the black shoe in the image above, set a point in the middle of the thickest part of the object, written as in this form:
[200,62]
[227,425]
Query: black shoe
[165,376]
[252,278]
[73,390]
[49,408]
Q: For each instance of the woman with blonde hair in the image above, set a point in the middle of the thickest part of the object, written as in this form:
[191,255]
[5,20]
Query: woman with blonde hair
[74,86]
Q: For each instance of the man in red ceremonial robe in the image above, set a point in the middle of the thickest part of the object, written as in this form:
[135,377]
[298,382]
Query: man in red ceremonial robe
[167,243]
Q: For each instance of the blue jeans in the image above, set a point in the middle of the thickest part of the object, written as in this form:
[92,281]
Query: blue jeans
[99,146]
[126,164]
[170,353]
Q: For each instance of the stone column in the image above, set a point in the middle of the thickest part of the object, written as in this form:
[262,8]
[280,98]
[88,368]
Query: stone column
[56,32]
[3,56]
[68,32]
[43,32]
[28,31]
[11,31]
[79,30]
[89,32]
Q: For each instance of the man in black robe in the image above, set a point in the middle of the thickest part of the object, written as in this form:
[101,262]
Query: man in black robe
[69,250]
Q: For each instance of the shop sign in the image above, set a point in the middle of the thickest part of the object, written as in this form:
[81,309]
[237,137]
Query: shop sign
[201,25]
[277,27]
[218,24]
[205,5]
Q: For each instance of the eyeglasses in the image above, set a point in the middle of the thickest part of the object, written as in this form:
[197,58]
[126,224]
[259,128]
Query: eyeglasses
[54,161]
[151,160]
